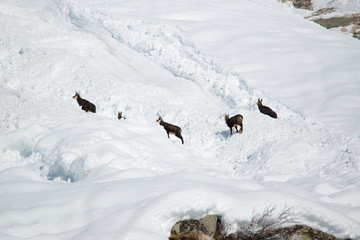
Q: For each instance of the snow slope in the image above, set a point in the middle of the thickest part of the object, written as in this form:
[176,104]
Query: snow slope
[67,174]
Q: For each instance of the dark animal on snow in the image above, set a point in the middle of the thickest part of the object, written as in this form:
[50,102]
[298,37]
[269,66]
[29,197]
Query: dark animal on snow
[85,104]
[234,121]
[171,129]
[120,115]
[266,110]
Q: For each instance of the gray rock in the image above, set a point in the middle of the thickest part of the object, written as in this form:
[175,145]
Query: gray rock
[339,21]
[210,224]
[302,4]
[302,232]
[205,226]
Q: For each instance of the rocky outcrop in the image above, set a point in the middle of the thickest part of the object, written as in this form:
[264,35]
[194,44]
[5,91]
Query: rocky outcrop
[302,4]
[209,228]
[349,23]
[302,232]
[322,11]
[341,21]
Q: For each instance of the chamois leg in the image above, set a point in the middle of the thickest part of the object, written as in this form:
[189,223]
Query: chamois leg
[179,136]
[230,131]
[168,134]
[236,129]
[241,128]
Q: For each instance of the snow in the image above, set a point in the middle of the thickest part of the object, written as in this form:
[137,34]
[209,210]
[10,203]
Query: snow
[67,174]
[339,5]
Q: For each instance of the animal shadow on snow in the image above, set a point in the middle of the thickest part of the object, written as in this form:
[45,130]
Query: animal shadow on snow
[223,134]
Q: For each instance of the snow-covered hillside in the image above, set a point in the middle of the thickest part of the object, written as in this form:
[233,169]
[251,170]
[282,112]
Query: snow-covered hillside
[67,174]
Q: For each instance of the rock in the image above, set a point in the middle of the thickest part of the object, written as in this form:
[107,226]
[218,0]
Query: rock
[203,229]
[302,232]
[332,22]
[343,21]
[355,30]
[210,223]
[190,236]
[323,11]
[302,4]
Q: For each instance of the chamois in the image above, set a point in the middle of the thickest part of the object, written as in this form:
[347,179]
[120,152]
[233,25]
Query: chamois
[234,121]
[171,129]
[120,115]
[85,104]
[266,110]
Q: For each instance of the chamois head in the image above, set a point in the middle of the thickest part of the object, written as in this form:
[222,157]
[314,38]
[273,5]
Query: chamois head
[76,96]
[259,102]
[159,120]
[226,117]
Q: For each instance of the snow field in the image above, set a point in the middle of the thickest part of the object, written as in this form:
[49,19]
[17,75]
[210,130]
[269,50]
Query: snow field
[128,180]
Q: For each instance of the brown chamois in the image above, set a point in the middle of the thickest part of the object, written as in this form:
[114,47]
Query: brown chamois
[171,129]
[85,104]
[120,116]
[234,121]
[266,110]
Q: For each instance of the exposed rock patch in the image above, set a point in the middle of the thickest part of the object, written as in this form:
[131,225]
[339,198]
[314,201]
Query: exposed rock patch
[342,21]
[322,11]
[302,232]
[302,4]
[355,30]
[210,228]
[193,229]
[349,23]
